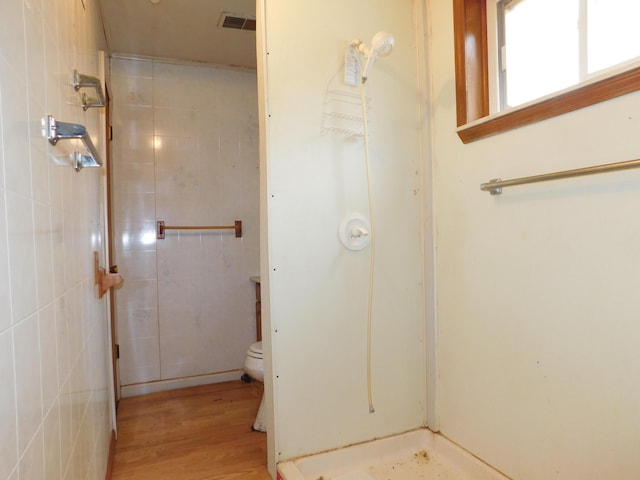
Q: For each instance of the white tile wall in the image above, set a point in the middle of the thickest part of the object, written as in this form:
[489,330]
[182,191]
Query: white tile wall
[185,151]
[54,401]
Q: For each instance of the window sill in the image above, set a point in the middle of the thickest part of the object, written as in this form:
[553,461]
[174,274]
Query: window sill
[558,104]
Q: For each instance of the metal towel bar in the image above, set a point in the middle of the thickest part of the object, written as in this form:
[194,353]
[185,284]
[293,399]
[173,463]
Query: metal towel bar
[496,185]
[55,131]
[161,227]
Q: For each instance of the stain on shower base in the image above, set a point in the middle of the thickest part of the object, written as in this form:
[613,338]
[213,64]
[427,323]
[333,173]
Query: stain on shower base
[421,465]
[416,466]
[420,454]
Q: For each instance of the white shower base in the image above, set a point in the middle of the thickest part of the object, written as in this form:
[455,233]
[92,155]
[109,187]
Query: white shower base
[420,454]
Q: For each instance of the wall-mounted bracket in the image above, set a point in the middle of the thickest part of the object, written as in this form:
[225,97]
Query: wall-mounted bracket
[80,80]
[79,161]
[495,189]
[56,131]
[105,280]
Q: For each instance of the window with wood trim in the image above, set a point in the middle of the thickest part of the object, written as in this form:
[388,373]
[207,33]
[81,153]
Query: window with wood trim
[472,82]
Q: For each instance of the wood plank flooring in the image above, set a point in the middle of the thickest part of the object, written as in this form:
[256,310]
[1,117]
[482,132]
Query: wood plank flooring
[198,433]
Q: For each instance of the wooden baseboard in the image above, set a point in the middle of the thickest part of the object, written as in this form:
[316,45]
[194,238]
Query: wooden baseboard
[112,452]
[156,386]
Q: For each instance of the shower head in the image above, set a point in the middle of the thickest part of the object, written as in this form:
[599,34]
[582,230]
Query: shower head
[381,44]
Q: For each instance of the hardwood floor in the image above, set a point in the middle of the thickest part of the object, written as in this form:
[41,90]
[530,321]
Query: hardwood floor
[198,433]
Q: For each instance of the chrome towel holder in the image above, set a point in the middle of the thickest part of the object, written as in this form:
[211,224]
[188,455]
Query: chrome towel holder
[55,131]
[81,80]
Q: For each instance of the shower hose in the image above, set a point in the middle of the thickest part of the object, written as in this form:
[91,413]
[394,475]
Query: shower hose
[372,236]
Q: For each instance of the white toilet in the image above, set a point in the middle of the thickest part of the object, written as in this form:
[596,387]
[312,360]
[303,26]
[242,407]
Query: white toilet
[254,367]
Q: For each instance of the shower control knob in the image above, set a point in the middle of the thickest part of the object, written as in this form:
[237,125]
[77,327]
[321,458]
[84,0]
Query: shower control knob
[358,232]
[355,232]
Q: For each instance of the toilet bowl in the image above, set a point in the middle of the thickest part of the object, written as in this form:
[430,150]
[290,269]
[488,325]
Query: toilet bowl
[254,367]
[253,362]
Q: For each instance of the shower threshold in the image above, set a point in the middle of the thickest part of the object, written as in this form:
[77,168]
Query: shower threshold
[419,454]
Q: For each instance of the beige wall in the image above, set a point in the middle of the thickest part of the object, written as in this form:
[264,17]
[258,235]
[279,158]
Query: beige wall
[318,289]
[54,369]
[537,303]
[185,151]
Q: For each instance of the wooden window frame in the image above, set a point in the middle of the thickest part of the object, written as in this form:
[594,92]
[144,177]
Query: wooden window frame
[472,82]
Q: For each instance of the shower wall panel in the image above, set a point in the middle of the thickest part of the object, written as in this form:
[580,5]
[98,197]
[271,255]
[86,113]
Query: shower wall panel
[317,307]
[185,151]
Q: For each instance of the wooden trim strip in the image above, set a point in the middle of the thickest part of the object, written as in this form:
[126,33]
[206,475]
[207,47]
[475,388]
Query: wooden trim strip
[472,76]
[605,89]
[112,454]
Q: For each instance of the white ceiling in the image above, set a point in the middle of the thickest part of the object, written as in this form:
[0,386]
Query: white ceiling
[181,30]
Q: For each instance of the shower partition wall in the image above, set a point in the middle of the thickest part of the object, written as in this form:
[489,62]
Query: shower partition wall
[185,151]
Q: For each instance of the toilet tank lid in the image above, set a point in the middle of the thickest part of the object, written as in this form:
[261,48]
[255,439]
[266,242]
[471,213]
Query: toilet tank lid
[256,348]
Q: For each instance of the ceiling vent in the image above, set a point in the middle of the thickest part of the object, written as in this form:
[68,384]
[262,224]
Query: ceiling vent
[237,21]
